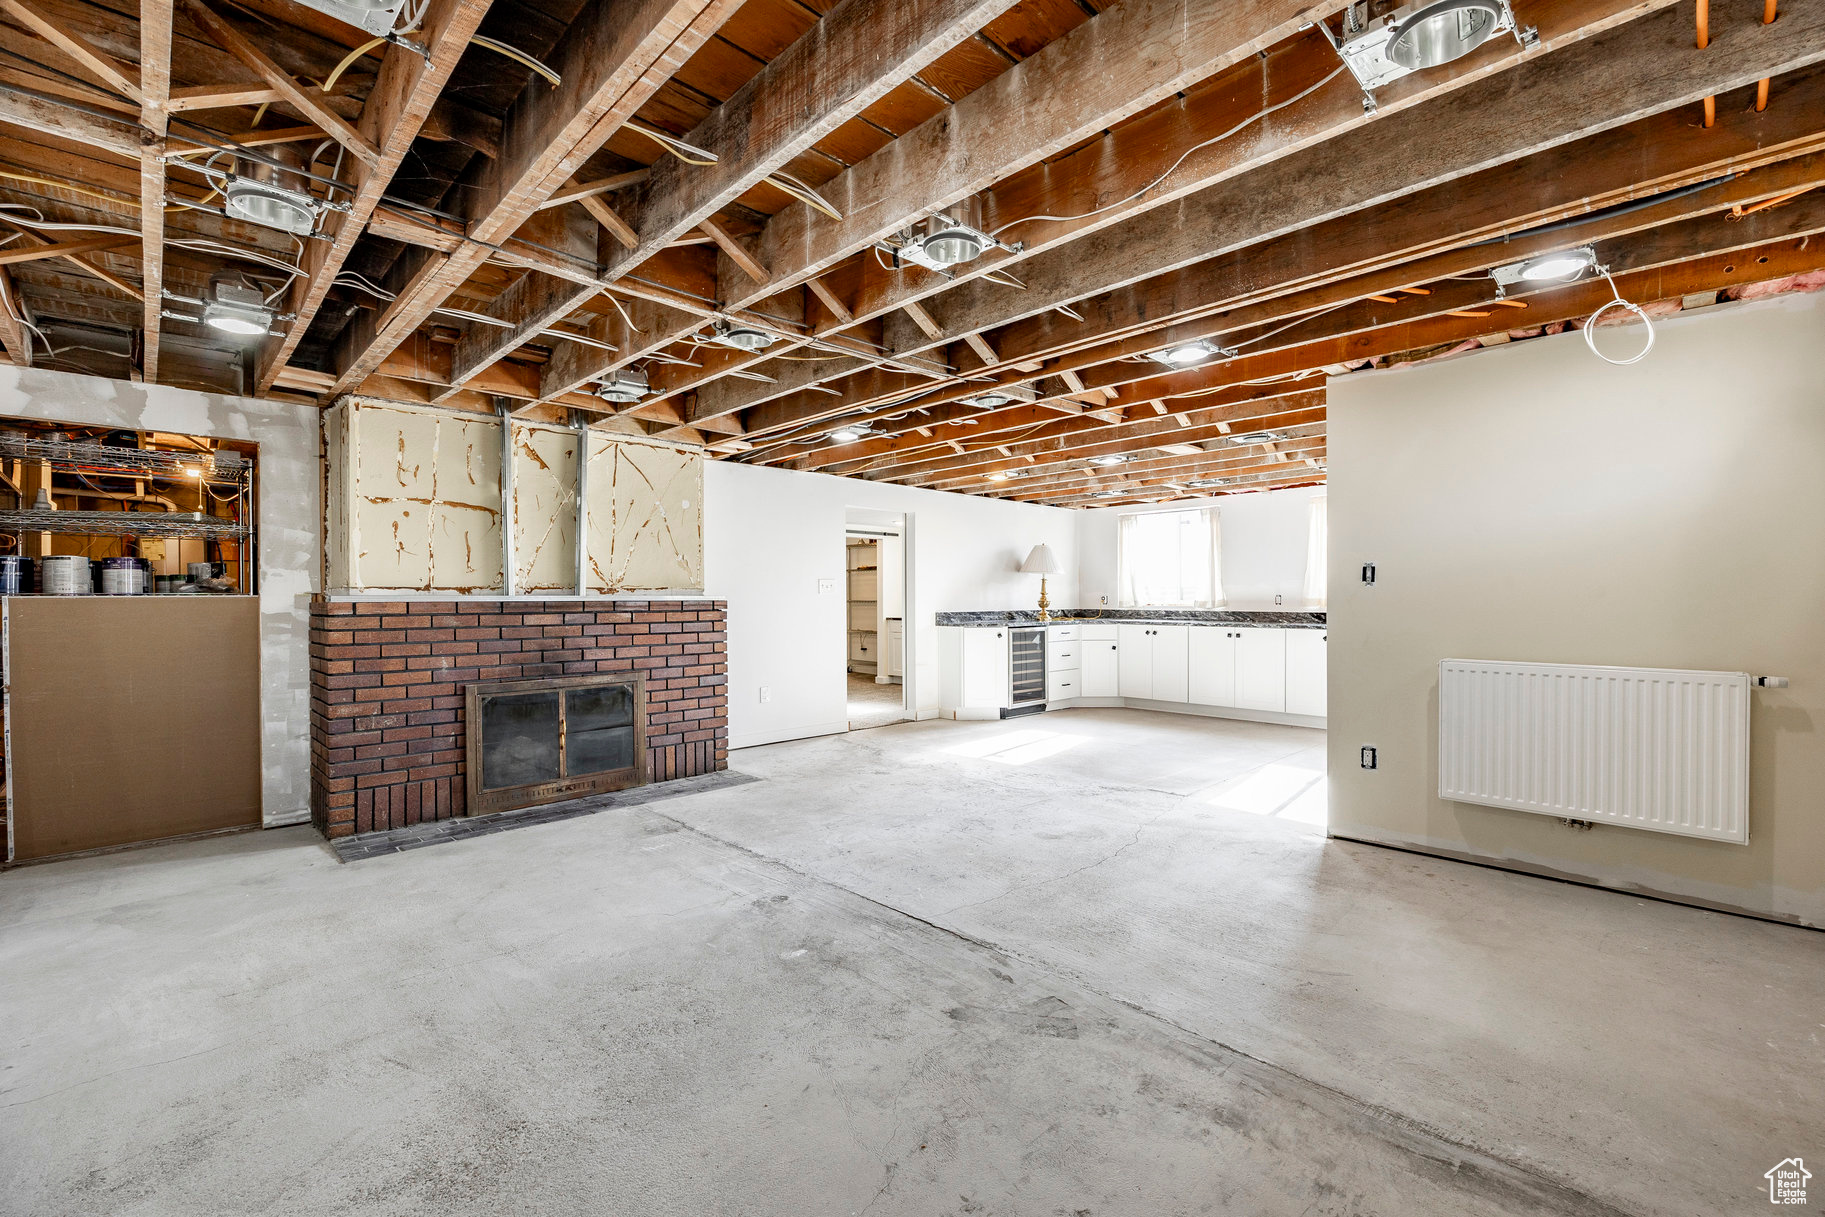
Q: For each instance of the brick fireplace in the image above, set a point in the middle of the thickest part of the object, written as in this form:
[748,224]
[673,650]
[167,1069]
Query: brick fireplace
[388,683]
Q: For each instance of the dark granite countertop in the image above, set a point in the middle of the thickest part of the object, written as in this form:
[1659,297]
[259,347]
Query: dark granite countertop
[1284,620]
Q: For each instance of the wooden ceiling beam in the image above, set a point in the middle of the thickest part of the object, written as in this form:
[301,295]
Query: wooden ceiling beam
[394,114]
[1756,264]
[155,34]
[14,337]
[913,436]
[852,57]
[59,249]
[1295,409]
[1162,474]
[115,137]
[121,77]
[1120,62]
[307,102]
[1644,68]
[1079,184]
[617,54]
[1107,69]
[1570,178]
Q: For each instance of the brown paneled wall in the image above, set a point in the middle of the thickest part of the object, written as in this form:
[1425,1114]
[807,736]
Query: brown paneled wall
[387,681]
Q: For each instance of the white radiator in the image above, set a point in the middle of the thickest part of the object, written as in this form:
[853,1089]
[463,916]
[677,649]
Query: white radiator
[1649,748]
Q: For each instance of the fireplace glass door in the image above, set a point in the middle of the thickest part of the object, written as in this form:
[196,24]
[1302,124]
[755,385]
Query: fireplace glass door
[537,741]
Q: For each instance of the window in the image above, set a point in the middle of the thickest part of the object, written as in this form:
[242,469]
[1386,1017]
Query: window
[1170,559]
[1317,541]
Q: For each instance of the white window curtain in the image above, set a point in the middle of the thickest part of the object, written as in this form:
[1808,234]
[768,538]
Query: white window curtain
[1316,553]
[1170,559]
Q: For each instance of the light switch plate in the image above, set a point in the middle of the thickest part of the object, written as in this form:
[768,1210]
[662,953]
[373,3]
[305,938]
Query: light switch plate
[826,587]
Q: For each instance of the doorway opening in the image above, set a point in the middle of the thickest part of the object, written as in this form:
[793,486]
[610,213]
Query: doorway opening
[874,575]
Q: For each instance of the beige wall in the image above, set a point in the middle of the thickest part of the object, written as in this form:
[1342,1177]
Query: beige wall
[1530,502]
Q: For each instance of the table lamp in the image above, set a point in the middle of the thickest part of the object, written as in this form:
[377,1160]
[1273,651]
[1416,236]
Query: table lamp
[1040,562]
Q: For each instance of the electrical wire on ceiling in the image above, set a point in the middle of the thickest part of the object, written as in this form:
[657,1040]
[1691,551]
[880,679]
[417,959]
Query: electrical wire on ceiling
[518,56]
[689,153]
[362,283]
[10,215]
[1590,324]
[781,180]
[624,317]
[1183,157]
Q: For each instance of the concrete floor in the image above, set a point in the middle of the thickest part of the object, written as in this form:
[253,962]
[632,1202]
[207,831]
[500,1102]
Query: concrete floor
[872,705]
[1094,962]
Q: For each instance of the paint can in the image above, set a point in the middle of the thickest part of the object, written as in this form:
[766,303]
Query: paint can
[200,571]
[169,583]
[15,575]
[125,576]
[65,575]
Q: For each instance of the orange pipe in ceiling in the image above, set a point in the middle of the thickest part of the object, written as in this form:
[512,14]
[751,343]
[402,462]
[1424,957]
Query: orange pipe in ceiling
[1761,86]
[1704,40]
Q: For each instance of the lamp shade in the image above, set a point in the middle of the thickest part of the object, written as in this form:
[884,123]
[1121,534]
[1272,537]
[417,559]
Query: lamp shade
[1040,562]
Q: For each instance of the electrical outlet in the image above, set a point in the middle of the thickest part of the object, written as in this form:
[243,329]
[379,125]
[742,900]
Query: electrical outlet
[1279,600]
[1105,599]
[826,587]
[1368,573]
[1368,757]
[766,694]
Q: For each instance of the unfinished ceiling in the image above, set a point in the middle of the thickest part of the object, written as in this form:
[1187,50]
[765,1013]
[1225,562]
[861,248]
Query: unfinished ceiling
[1064,251]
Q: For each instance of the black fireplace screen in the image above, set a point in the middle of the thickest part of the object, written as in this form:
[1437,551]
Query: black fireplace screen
[537,741]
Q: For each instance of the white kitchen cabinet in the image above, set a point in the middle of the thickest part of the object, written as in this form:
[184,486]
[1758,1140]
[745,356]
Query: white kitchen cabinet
[985,668]
[1261,668]
[1154,662]
[1100,668]
[893,653]
[1171,662]
[1213,666]
[1306,666]
[1135,647]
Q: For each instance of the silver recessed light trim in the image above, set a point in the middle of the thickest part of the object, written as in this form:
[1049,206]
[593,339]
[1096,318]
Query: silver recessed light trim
[1107,461]
[1001,395]
[1559,266]
[949,236]
[378,17]
[1186,354]
[1258,437]
[237,309]
[1417,36]
[627,385]
[271,206]
[724,332]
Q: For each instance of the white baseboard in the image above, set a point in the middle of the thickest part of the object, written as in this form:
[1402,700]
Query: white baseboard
[1168,707]
[762,738]
[1235,712]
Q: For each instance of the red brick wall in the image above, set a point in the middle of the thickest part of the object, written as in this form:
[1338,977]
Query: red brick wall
[387,681]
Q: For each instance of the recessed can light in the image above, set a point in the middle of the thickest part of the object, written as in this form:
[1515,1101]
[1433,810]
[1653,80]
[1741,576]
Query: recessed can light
[1187,353]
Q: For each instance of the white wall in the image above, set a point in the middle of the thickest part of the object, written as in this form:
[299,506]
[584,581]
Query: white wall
[1264,543]
[291,522]
[770,535]
[1533,503]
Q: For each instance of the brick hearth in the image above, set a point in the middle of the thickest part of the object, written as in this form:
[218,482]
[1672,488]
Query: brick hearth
[387,682]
